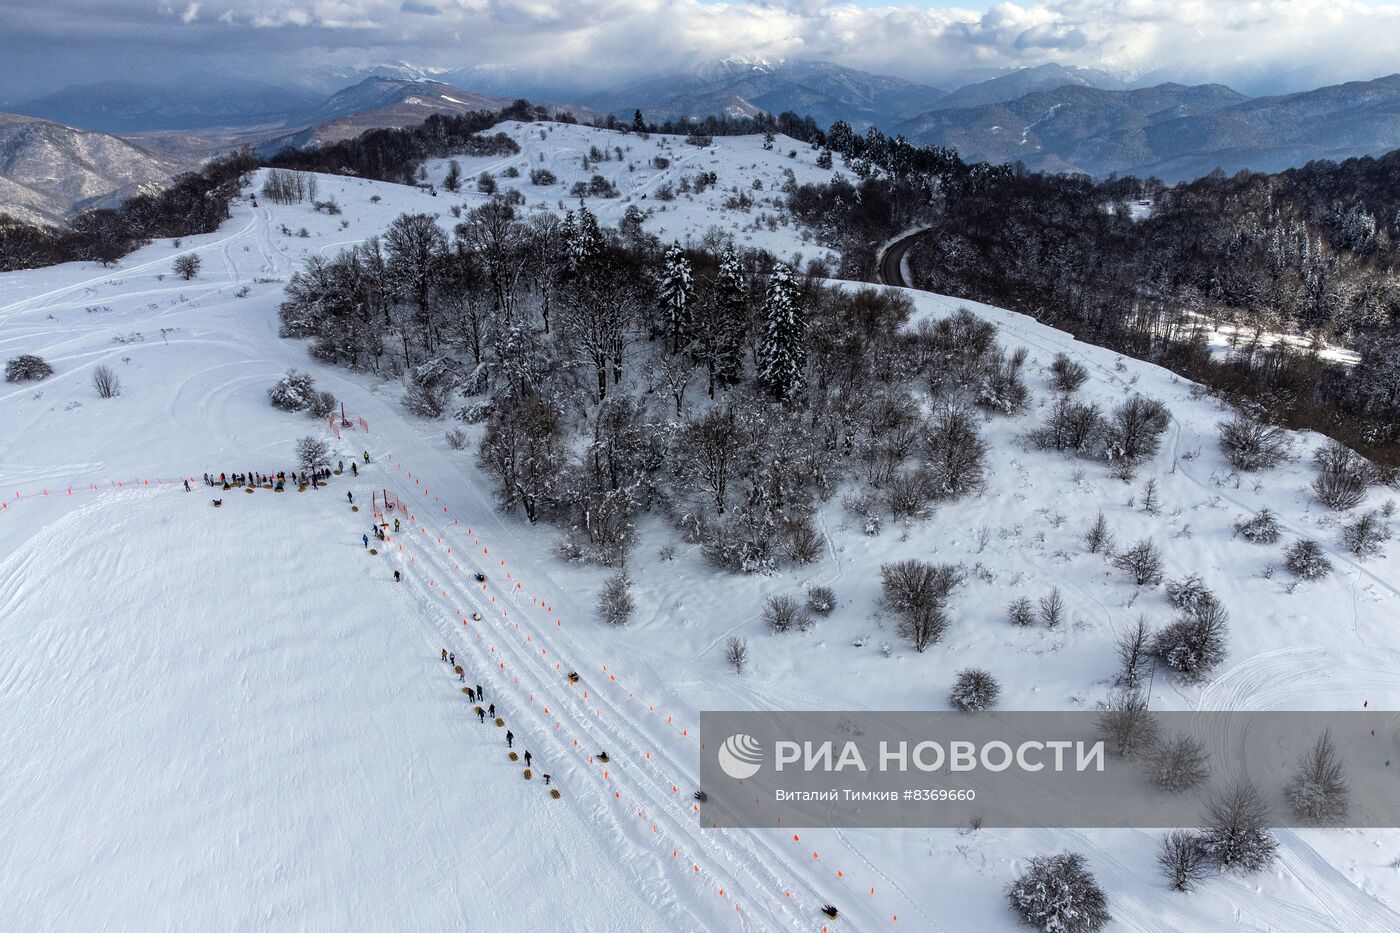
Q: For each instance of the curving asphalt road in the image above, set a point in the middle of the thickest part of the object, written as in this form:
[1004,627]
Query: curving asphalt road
[888,268]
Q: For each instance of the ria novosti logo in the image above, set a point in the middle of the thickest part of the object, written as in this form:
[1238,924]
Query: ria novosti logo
[740,756]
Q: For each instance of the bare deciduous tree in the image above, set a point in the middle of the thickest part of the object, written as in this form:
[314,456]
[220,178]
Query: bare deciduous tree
[105,381]
[736,653]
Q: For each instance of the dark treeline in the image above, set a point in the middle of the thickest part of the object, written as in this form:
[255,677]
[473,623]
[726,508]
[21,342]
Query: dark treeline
[194,203]
[396,155]
[1309,251]
[615,376]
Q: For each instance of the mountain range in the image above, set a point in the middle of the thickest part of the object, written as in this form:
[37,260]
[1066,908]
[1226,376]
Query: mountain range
[740,87]
[1050,118]
[1172,131]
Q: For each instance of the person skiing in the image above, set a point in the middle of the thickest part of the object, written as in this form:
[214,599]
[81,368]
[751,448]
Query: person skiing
[365,539]
[398,578]
[187,485]
[510,739]
[350,495]
[527,758]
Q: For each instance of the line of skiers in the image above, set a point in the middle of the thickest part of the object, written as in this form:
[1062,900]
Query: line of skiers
[277,480]
[477,694]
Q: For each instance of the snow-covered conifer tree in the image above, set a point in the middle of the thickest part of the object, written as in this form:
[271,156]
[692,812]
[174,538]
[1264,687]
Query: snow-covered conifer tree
[674,292]
[783,349]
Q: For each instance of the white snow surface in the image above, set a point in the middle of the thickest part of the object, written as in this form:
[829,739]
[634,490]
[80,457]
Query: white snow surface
[233,719]
[739,161]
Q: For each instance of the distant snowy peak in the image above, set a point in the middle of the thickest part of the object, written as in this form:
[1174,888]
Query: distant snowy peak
[748,86]
[721,69]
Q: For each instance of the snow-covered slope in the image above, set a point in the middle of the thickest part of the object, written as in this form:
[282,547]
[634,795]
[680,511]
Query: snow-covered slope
[738,162]
[48,171]
[234,719]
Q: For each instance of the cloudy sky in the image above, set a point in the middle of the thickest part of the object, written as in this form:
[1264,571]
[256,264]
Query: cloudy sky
[1257,46]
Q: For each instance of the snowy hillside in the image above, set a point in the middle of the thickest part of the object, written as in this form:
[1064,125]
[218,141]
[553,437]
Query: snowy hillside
[674,211]
[234,718]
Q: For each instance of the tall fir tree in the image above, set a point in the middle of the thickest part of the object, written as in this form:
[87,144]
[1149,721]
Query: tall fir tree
[639,125]
[783,348]
[583,243]
[730,317]
[675,292]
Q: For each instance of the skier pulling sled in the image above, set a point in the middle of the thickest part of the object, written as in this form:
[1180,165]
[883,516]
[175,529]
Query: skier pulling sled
[479,577]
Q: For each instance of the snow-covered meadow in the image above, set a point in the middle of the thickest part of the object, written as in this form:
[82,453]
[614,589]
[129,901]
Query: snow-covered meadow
[233,719]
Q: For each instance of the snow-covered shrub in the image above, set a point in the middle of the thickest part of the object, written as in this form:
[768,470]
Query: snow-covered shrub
[1189,593]
[615,603]
[1261,528]
[1134,648]
[27,368]
[322,404]
[1318,791]
[999,385]
[1099,539]
[1143,562]
[1058,894]
[186,266]
[804,543]
[907,494]
[1365,536]
[736,653]
[105,381]
[293,392]
[864,507]
[1134,431]
[917,593]
[456,438]
[1176,764]
[954,452]
[821,600]
[1052,608]
[782,613]
[1342,475]
[1021,612]
[312,453]
[485,183]
[1066,375]
[425,399]
[1194,644]
[1183,859]
[1125,724]
[1072,427]
[1251,445]
[1237,837]
[974,690]
[542,176]
[1305,559]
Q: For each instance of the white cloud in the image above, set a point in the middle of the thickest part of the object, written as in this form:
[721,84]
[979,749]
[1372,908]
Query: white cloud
[1251,43]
